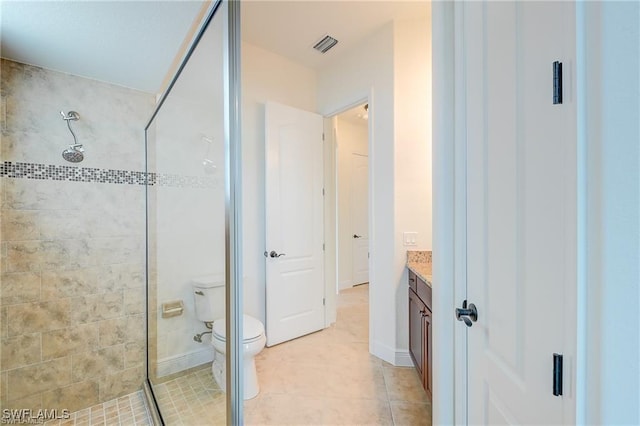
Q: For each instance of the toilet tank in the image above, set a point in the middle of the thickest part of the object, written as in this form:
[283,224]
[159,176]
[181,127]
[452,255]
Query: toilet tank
[208,294]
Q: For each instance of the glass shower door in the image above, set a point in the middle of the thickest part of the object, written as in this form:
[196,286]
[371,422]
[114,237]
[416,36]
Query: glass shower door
[189,253]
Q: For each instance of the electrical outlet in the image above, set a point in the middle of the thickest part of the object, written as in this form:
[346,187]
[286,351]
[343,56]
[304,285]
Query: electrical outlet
[410,238]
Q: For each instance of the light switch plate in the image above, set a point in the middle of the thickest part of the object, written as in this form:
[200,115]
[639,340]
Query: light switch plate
[410,238]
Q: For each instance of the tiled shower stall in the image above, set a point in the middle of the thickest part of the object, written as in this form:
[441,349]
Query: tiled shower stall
[72,240]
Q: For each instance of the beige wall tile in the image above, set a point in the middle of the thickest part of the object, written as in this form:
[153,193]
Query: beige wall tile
[20,351]
[98,363]
[62,224]
[73,398]
[84,254]
[112,332]
[134,301]
[23,256]
[43,255]
[134,354]
[3,254]
[20,225]
[22,287]
[136,328]
[73,283]
[30,194]
[4,323]
[97,307]
[38,378]
[71,232]
[31,402]
[68,341]
[118,250]
[3,389]
[38,317]
[124,275]
[122,383]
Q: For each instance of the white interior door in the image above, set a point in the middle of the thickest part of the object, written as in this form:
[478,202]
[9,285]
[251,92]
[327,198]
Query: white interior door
[360,218]
[521,211]
[294,223]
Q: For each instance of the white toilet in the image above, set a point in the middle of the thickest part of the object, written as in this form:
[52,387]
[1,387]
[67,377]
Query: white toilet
[208,292]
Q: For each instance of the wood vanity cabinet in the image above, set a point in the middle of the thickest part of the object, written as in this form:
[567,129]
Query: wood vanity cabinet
[420,329]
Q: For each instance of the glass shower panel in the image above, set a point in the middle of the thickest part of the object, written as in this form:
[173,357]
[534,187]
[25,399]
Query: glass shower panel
[186,237]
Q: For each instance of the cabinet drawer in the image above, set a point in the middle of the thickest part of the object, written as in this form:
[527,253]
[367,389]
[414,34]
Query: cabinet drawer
[423,291]
[413,281]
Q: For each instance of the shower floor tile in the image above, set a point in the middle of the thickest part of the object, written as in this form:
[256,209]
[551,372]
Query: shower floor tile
[128,410]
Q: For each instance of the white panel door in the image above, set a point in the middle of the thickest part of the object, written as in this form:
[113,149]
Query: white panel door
[294,223]
[521,211]
[360,218]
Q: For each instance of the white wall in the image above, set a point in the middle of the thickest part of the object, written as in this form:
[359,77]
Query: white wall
[412,51]
[352,138]
[367,71]
[373,69]
[265,77]
[610,135]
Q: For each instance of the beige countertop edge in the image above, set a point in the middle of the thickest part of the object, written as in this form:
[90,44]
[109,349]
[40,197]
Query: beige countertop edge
[422,270]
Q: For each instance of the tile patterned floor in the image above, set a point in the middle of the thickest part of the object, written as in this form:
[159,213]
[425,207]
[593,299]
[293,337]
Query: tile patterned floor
[329,378]
[193,399]
[129,410]
[325,378]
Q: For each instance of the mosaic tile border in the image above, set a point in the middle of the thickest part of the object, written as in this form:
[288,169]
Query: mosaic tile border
[41,171]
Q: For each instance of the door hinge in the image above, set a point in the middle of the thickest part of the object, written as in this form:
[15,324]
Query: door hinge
[557,82]
[557,374]
[322,246]
[323,137]
[323,192]
[323,301]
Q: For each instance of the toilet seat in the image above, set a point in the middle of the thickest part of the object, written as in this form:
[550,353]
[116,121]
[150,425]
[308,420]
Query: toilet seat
[252,329]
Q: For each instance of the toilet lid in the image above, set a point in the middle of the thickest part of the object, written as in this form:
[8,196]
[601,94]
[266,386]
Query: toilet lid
[252,328]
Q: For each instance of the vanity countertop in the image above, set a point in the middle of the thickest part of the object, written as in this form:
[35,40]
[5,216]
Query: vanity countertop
[419,262]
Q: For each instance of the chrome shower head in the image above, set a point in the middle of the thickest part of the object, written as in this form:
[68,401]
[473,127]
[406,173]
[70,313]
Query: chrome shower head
[74,154]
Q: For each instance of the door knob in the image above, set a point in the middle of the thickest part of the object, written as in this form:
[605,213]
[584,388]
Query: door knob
[274,254]
[357,236]
[467,314]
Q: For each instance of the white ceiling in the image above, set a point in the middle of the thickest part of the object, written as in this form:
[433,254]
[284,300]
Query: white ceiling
[133,43]
[129,43]
[291,28]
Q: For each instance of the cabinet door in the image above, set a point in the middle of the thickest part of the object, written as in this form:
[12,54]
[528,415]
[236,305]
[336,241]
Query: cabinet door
[416,344]
[427,371]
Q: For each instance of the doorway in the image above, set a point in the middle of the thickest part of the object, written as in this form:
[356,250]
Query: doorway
[352,196]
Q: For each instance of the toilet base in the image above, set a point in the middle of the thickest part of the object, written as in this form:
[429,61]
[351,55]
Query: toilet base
[251,387]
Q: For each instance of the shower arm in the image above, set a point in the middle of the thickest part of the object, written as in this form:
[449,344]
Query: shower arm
[71,116]
[75,140]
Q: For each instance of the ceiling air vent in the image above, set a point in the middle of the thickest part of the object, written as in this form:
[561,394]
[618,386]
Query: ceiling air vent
[325,44]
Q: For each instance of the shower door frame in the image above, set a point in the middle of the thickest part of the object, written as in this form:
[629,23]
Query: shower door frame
[233,208]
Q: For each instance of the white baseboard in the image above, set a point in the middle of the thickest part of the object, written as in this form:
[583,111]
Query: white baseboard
[181,362]
[345,284]
[399,358]
[403,359]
